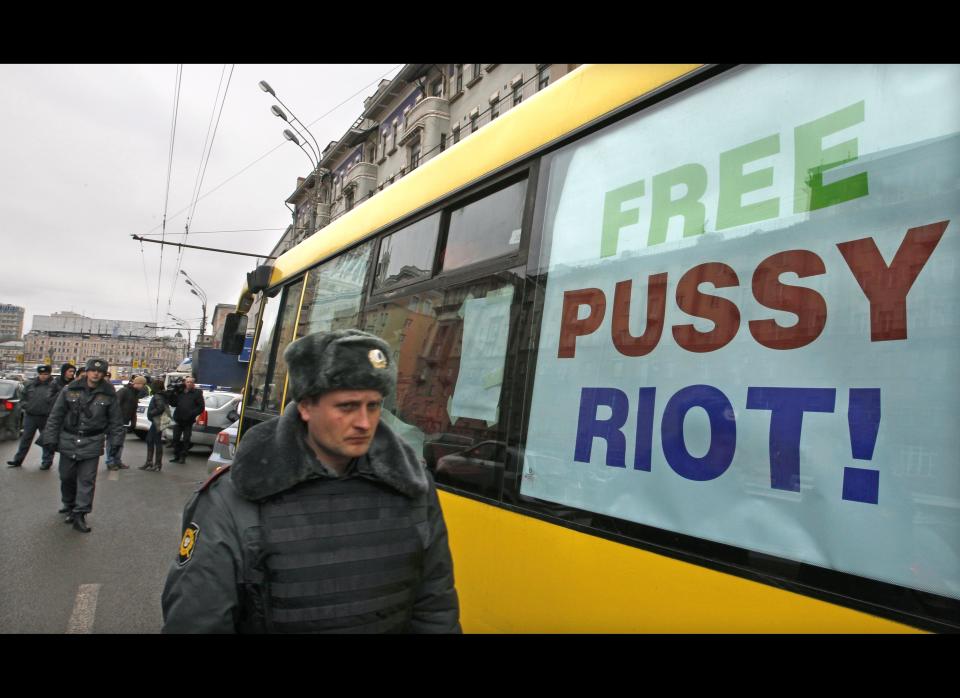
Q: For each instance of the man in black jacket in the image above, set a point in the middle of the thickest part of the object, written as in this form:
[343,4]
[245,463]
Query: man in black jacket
[326,522]
[36,403]
[127,397]
[188,404]
[85,415]
[66,376]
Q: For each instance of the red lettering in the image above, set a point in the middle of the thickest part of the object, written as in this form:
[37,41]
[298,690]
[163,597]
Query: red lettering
[627,344]
[887,287]
[571,327]
[807,304]
[722,312]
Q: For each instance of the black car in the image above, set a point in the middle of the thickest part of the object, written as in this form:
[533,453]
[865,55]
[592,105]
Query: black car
[10,412]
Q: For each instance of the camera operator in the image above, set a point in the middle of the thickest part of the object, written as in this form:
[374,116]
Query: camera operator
[187,401]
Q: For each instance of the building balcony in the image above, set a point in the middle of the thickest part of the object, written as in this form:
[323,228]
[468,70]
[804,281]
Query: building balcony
[362,170]
[421,111]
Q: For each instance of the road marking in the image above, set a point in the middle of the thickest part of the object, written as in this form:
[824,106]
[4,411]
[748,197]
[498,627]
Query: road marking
[84,609]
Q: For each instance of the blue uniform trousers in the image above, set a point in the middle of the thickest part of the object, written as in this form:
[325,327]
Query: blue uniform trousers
[78,480]
[31,424]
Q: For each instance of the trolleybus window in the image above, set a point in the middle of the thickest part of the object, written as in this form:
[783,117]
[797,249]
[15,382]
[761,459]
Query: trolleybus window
[334,291]
[451,347]
[486,228]
[288,323]
[407,255]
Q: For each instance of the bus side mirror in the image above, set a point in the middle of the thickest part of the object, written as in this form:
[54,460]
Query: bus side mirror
[234,334]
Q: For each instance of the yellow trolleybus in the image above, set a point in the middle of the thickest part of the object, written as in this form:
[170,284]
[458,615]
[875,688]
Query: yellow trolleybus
[678,345]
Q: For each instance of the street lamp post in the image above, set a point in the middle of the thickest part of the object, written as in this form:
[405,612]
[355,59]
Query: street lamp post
[291,136]
[199,293]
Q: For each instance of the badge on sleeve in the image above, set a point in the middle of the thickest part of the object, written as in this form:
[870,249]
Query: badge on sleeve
[188,543]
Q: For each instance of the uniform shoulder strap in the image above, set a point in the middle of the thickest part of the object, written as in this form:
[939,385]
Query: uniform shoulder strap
[213,477]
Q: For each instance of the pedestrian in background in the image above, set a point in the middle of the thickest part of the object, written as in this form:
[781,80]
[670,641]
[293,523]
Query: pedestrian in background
[155,411]
[36,402]
[127,397]
[85,415]
[188,404]
[67,374]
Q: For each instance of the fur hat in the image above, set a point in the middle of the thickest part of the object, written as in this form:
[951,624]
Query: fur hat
[96,365]
[339,360]
[45,368]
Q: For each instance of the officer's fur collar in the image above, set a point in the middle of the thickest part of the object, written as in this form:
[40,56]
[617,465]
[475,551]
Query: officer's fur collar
[274,456]
[105,386]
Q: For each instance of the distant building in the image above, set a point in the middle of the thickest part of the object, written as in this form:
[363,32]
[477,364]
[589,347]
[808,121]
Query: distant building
[66,321]
[11,322]
[10,353]
[126,354]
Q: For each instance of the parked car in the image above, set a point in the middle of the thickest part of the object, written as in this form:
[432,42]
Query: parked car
[11,417]
[224,448]
[222,410]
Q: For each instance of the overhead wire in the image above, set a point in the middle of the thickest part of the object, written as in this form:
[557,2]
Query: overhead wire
[280,145]
[178,81]
[201,173]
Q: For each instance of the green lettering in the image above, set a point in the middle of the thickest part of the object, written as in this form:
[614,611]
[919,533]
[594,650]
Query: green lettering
[614,219]
[812,160]
[688,206]
[734,184]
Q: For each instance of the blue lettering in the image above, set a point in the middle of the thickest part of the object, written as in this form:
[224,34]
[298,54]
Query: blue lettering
[787,406]
[590,428]
[723,433]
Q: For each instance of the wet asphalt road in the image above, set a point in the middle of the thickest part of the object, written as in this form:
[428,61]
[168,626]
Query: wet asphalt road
[54,579]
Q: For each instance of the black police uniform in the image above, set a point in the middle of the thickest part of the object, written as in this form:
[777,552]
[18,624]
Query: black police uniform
[279,543]
[81,420]
[37,401]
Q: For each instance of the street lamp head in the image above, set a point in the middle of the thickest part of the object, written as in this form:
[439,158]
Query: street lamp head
[288,134]
[277,111]
[265,86]
[189,282]
[194,292]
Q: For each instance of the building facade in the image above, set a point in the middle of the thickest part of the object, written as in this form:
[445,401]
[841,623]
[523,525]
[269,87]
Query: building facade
[407,121]
[11,322]
[10,354]
[125,354]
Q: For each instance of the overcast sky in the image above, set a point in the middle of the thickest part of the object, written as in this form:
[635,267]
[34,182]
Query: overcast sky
[84,153]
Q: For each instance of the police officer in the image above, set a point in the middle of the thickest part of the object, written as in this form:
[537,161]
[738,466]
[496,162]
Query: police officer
[325,522]
[85,414]
[36,403]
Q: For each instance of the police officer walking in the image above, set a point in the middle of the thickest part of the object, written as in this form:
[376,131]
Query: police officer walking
[325,522]
[85,415]
[36,403]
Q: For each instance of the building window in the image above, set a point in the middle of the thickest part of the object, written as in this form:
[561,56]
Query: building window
[459,77]
[517,93]
[473,121]
[456,134]
[413,152]
[443,142]
[436,88]
[396,130]
[494,107]
[349,199]
[476,71]
[543,77]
